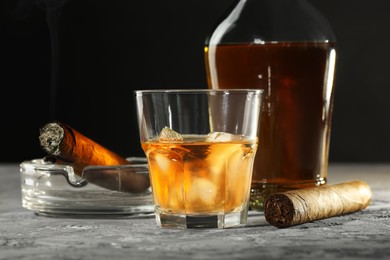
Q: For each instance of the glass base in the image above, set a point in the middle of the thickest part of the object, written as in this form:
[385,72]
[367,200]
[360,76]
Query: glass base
[227,220]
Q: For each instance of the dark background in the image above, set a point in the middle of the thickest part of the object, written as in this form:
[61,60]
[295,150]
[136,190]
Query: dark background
[79,61]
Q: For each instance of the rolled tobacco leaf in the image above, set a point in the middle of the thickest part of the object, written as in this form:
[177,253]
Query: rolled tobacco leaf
[300,206]
[68,146]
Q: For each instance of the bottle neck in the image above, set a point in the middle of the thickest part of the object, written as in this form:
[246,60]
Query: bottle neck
[273,20]
[278,4]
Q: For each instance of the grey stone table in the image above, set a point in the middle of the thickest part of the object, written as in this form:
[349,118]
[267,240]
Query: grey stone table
[360,235]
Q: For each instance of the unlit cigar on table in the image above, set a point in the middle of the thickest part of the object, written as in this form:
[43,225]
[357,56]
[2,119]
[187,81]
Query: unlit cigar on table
[70,147]
[295,207]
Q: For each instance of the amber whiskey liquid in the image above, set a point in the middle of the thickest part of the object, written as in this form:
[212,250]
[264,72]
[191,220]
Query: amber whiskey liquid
[297,107]
[197,177]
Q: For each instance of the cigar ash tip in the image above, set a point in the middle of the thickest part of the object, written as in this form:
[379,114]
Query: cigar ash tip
[51,136]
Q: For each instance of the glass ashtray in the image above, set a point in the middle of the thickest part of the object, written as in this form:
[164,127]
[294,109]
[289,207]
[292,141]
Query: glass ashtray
[54,190]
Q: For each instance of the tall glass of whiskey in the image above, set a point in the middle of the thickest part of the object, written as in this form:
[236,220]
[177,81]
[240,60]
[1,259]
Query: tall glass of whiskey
[286,48]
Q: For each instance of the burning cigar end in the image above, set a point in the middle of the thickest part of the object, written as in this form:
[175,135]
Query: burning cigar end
[68,146]
[300,206]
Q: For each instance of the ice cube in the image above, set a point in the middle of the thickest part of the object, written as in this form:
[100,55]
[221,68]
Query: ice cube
[203,190]
[219,137]
[163,163]
[168,135]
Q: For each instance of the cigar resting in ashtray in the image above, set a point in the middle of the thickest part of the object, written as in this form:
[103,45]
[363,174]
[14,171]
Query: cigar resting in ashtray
[295,207]
[70,147]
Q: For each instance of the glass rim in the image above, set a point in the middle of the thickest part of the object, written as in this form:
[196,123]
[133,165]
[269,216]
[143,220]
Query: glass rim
[199,91]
